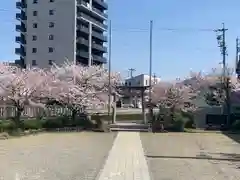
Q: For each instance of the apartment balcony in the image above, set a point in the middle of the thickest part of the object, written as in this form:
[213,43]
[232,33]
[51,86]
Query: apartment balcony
[20,40]
[99,36]
[83,41]
[85,55]
[20,51]
[82,54]
[86,8]
[21,17]
[95,34]
[94,22]
[83,29]
[99,59]
[100,13]
[20,62]
[20,5]
[102,3]
[99,47]
[20,28]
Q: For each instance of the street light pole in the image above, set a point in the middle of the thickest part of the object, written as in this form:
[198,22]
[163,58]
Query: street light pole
[109,69]
[150,72]
[237,56]
[90,45]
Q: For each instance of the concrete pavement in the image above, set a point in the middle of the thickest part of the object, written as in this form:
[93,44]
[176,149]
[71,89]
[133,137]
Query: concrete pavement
[191,156]
[129,156]
[55,156]
[126,159]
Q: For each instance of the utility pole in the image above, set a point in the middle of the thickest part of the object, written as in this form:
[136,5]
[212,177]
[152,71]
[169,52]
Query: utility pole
[150,71]
[109,69]
[237,70]
[131,70]
[154,78]
[222,45]
[226,79]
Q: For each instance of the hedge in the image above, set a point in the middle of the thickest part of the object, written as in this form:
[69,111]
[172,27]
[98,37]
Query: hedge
[61,122]
[236,125]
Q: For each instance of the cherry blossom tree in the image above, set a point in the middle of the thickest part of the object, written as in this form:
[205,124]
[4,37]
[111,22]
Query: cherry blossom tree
[81,86]
[20,87]
[174,96]
[215,85]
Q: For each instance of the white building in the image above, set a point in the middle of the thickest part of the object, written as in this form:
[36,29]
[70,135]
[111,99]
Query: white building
[141,81]
[51,31]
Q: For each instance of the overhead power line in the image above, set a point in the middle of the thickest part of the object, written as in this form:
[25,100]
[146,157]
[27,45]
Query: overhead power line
[5,10]
[165,29]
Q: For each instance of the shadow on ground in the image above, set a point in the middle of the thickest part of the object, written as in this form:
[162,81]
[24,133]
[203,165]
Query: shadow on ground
[224,157]
[228,155]
[235,137]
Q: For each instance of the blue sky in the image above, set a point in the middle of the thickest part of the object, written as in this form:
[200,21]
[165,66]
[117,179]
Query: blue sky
[174,53]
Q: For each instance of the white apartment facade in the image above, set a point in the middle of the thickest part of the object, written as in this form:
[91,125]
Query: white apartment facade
[52,31]
[141,80]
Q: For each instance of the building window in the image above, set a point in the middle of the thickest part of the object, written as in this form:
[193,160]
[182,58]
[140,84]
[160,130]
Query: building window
[35,1]
[50,49]
[34,50]
[34,25]
[51,12]
[34,62]
[51,25]
[50,62]
[51,0]
[35,13]
[146,82]
[50,37]
[34,37]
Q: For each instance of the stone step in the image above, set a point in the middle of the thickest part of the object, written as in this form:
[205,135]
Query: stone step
[129,127]
[131,130]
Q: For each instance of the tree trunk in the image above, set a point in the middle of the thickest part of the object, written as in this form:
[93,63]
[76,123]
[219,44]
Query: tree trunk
[172,110]
[74,114]
[17,119]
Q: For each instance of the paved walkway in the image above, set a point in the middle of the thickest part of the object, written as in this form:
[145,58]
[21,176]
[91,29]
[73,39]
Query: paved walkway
[55,156]
[126,159]
[191,156]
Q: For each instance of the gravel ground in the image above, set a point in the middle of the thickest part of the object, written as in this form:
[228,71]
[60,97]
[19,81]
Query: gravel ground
[193,156]
[55,156]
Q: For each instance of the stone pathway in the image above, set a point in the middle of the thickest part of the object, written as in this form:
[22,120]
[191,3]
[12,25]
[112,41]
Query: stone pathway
[126,159]
[55,156]
[191,156]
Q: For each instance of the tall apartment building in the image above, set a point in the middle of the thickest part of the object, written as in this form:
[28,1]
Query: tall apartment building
[52,31]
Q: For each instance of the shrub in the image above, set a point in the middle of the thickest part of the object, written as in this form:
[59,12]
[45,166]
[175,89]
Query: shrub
[32,124]
[175,122]
[7,126]
[52,123]
[178,125]
[236,125]
[178,122]
[190,124]
[16,132]
[84,122]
